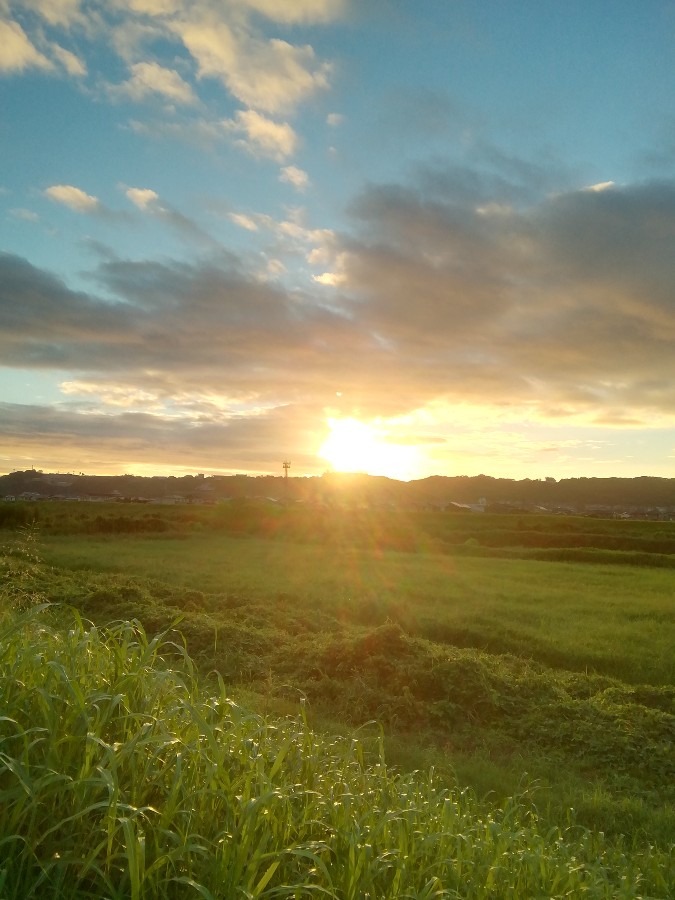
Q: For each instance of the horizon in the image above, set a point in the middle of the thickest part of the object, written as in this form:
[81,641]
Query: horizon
[207,474]
[413,241]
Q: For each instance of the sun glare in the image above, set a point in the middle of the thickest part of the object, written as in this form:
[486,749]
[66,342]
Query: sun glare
[352,446]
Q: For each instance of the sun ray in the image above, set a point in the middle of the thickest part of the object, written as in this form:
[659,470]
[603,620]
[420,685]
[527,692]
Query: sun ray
[353,446]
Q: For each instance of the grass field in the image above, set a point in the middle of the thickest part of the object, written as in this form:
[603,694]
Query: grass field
[504,674]
[612,620]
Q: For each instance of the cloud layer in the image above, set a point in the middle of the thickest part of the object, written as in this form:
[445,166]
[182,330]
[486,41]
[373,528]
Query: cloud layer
[562,310]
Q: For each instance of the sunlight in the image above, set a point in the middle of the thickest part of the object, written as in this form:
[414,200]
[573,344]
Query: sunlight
[353,446]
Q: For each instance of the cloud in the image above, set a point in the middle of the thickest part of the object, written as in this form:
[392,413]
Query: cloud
[74,198]
[71,63]
[129,36]
[294,237]
[142,197]
[561,307]
[257,135]
[149,79]
[270,75]
[26,215]
[148,201]
[601,186]
[299,11]
[177,328]
[227,42]
[275,267]
[558,311]
[62,13]
[125,440]
[263,137]
[243,221]
[153,7]
[331,279]
[17,53]
[334,119]
[295,176]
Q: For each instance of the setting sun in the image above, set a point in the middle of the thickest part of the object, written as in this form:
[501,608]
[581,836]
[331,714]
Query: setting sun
[353,446]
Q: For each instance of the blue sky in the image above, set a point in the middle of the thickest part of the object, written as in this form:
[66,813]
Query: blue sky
[405,238]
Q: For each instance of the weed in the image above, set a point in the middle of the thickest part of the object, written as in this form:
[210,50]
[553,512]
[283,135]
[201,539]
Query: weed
[123,776]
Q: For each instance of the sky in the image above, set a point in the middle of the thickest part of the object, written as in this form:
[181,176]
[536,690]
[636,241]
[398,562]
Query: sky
[404,237]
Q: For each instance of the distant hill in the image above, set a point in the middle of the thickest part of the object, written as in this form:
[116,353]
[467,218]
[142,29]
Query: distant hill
[482,491]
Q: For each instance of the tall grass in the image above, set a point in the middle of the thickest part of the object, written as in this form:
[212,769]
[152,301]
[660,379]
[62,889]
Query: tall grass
[123,776]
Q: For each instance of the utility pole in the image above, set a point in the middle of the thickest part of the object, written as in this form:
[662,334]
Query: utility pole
[287,465]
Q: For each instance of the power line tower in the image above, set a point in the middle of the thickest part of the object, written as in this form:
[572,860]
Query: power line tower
[287,465]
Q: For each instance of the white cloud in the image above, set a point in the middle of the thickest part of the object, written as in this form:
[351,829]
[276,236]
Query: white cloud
[73,197]
[153,7]
[334,119]
[319,256]
[148,201]
[317,245]
[128,37]
[142,197]
[270,75]
[17,53]
[494,209]
[601,186]
[327,253]
[263,136]
[243,221]
[288,11]
[58,12]
[298,232]
[330,278]
[149,78]
[26,215]
[121,396]
[295,176]
[275,267]
[70,62]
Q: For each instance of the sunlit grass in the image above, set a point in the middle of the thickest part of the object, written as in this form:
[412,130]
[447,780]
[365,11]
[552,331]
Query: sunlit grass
[122,776]
[617,620]
[481,668]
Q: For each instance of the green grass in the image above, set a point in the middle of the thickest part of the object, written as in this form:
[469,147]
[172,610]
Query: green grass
[122,776]
[614,620]
[366,528]
[504,675]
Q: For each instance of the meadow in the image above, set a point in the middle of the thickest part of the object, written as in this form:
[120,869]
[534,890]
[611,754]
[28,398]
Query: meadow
[435,657]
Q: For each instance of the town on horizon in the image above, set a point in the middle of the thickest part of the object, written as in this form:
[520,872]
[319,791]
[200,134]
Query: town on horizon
[641,497]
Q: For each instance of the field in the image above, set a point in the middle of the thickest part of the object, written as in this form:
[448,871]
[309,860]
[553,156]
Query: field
[527,661]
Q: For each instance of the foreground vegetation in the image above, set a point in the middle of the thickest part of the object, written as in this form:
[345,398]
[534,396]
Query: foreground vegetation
[551,683]
[123,777]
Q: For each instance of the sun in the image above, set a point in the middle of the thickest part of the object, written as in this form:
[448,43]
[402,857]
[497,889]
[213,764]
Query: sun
[353,446]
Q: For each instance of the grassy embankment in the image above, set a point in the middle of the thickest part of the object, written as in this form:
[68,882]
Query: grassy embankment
[489,668]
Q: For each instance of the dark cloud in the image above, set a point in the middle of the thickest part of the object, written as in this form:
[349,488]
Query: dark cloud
[40,317]
[179,327]
[572,295]
[564,307]
[248,443]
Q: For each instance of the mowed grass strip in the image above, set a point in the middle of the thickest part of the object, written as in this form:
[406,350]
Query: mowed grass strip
[123,776]
[615,620]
